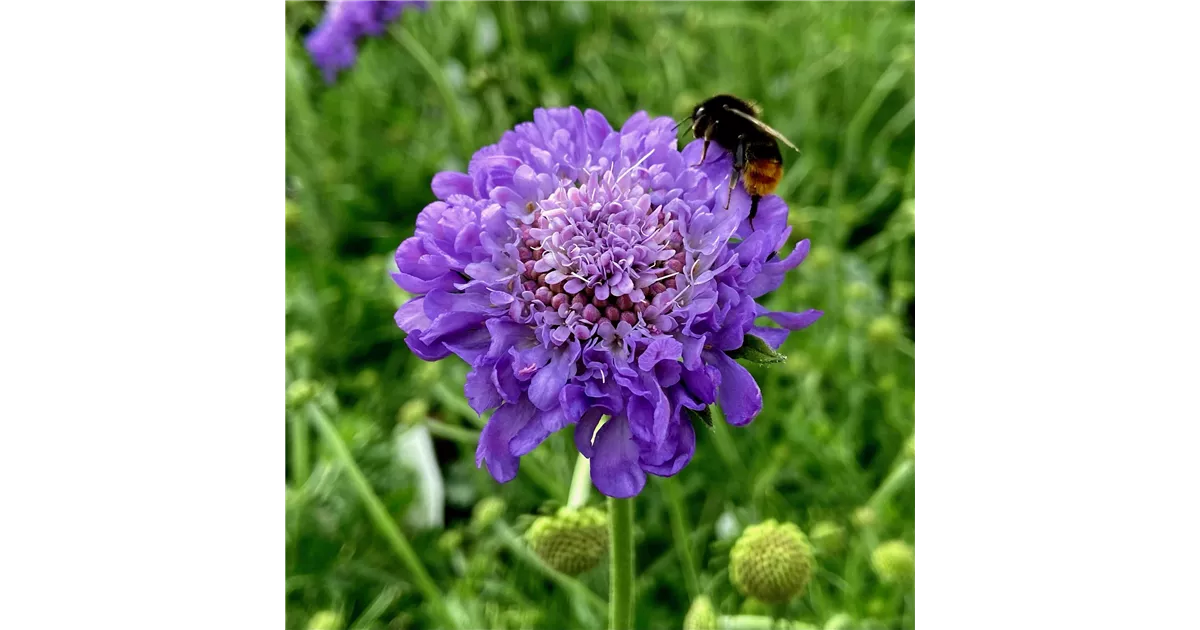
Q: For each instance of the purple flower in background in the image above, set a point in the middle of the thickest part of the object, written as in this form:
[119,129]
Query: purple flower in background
[334,43]
[586,272]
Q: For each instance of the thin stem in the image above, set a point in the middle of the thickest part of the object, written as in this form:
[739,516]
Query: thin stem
[300,457]
[510,539]
[451,432]
[620,595]
[581,483]
[427,63]
[679,531]
[379,515]
[898,477]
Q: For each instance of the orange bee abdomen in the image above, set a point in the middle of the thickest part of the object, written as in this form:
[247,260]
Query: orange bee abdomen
[762,176]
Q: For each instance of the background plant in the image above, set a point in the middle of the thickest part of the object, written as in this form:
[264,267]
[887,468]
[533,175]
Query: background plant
[832,442]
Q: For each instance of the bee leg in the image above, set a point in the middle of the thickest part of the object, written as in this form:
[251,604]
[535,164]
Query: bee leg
[703,152]
[707,138]
[753,209]
[739,163]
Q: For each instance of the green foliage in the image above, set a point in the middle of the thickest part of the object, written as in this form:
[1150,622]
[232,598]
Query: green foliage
[836,78]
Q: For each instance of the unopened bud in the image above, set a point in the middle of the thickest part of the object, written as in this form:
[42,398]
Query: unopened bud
[883,330]
[486,512]
[771,562]
[571,541]
[412,412]
[298,343]
[864,517]
[325,620]
[300,391]
[894,561]
[450,540]
[840,621]
[827,536]
[701,616]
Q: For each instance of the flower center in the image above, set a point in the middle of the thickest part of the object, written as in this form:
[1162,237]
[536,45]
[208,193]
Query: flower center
[594,256]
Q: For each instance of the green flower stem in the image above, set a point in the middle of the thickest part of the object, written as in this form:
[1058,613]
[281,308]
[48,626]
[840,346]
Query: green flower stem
[510,539]
[679,530]
[581,483]
[380,517]
[427,63]
[620,595]
[899,476]
[300,457]
[451,432]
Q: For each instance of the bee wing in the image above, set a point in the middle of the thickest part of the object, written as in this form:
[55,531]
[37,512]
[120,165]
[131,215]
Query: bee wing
[762,125]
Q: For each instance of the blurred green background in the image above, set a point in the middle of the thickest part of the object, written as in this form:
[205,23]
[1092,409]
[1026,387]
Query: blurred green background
[833,442]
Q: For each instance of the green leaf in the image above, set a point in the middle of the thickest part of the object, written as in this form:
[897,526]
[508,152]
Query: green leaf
[704,415]
[756,350]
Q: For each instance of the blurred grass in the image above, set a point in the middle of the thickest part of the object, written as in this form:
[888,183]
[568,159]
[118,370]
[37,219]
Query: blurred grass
[836,78]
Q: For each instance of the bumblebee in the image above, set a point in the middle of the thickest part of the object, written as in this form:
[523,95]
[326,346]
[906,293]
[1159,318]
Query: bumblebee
[733,124]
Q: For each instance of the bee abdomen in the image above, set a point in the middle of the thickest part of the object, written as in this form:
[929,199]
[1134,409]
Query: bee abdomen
[762,176]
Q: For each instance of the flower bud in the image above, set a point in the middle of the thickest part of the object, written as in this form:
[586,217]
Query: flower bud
[450,540]
[300,391]
[325,620]
[840,621]
[298,343]
[894,561]
[413,412]
[827,536]
[701,616]
[771,562]
[864,517]
[883,330]
[487,511]
[570,541]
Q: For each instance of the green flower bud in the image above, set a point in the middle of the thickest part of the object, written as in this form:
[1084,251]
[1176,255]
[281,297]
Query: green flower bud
[325,620]
[291,213]
[840,621]
[414,411]
[771,562]
[571,541]
[701,616]
[300,391]
[820,257]
[450,540]
[894,561]
[883,330]
[827,536]
[366,380]
[298,343]
[864,517]
[487,511]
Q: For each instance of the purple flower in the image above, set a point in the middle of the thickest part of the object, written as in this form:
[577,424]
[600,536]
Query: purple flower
[586,272]
[334,43]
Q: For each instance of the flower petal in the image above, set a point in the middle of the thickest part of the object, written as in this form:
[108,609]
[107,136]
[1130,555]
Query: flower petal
[493,440]
[615,469]
[739,395]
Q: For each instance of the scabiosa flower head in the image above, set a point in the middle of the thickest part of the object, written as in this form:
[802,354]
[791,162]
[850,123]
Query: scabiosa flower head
[334,43]
[572,540]
[588,272]
[771,562]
